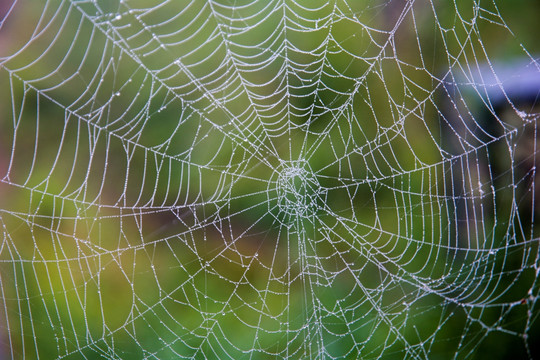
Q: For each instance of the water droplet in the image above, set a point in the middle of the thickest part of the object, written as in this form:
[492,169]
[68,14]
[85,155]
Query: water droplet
[521,114]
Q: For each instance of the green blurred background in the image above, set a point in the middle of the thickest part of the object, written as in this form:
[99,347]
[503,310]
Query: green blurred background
[141,147]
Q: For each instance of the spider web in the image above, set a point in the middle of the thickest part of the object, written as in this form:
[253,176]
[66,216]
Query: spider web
[266,179]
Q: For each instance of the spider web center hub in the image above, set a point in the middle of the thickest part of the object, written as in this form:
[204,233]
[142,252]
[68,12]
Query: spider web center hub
[296,192]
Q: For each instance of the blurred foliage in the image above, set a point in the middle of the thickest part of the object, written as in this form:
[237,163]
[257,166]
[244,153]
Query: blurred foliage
[134,227]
